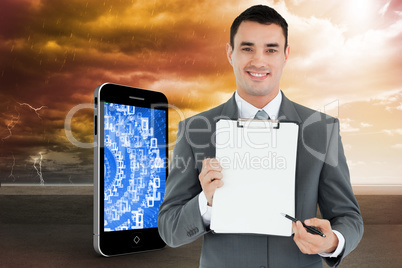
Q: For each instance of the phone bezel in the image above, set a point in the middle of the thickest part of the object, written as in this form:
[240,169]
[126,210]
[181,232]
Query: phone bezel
[121,242]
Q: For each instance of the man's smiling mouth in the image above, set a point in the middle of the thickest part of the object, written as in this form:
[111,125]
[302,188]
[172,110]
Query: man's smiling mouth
[258,74]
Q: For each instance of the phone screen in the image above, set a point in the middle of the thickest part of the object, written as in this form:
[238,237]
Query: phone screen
[134,166]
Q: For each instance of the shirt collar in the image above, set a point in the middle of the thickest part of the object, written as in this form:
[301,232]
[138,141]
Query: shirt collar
[247,110]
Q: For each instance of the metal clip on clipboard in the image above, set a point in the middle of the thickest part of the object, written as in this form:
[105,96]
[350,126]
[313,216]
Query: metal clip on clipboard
[258,123]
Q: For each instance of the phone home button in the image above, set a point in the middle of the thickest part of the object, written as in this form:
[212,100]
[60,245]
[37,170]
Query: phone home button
[137,240]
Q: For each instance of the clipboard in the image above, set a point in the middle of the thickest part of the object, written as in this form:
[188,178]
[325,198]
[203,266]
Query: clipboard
[258,158]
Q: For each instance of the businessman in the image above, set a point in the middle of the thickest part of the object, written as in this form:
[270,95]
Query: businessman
[258,51]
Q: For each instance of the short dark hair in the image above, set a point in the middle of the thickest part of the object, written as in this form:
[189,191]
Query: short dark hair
[261,14]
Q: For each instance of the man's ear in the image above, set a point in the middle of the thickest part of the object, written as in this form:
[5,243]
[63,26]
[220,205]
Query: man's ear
[287,51]
[229,51]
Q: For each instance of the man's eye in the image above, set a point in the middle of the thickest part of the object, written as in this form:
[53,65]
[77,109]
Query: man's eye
[271,50]
[246,49]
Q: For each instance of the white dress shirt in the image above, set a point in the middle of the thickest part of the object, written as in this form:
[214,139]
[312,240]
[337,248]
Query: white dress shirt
[247,110]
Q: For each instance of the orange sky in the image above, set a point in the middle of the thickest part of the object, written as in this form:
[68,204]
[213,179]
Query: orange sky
[346,59]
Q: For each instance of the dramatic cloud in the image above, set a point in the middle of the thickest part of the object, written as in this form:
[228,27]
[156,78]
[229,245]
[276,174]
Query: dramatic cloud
[54,54]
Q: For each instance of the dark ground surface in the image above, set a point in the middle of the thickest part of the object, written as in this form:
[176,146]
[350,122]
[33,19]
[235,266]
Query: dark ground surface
[56,231]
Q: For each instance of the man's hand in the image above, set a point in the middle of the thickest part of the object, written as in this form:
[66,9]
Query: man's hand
[210,177]
[315,244]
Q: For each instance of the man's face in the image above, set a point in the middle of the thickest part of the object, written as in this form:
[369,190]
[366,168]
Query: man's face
[258,58]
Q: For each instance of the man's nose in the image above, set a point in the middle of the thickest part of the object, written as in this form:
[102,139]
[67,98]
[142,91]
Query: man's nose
[259,59]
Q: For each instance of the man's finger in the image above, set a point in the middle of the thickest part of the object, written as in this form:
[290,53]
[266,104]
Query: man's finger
[212,164]
[216,184]
[209,164]
[314,222]
[203,168]
[300,228]
[302,234]
[211,176]
[323,225]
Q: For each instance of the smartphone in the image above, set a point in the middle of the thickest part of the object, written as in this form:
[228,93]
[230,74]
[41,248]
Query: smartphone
[130,168]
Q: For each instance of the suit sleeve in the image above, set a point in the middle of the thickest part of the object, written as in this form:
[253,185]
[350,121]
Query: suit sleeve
[336,199]
[179,220]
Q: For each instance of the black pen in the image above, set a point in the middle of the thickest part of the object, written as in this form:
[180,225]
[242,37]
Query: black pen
[310,229]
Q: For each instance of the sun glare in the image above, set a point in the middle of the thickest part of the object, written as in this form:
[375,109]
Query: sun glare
[359,11]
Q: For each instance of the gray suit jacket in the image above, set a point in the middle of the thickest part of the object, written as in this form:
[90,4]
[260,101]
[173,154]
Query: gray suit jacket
[322,177]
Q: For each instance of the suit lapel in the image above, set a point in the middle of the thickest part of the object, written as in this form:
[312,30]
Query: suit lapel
[287,111]
[230,109]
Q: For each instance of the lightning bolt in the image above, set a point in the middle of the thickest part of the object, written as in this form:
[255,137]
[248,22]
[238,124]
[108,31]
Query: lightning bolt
[34,109]
[12,169]
[16,119]
[11,125]
[39,171]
